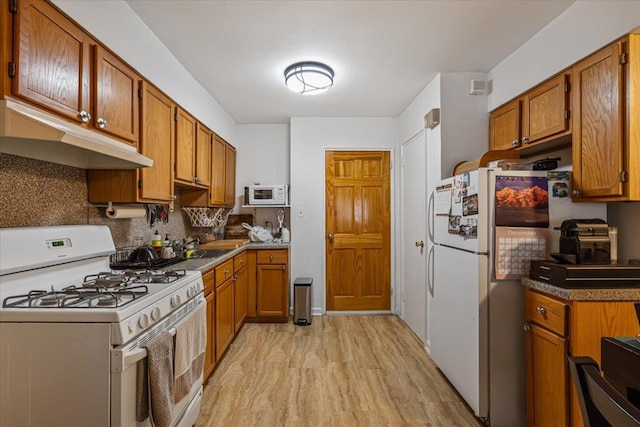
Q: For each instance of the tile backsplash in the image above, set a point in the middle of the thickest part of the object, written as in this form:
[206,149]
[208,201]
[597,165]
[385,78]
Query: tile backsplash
[36,193]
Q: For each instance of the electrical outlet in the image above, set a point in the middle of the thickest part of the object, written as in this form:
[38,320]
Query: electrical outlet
[300,212]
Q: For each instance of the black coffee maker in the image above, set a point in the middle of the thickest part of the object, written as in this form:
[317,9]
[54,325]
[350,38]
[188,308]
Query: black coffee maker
[584,241]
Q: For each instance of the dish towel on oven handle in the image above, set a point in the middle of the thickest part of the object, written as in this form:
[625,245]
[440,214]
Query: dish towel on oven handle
[189,353]
[155,381]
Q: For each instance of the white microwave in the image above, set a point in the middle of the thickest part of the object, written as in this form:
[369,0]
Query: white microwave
[268,194]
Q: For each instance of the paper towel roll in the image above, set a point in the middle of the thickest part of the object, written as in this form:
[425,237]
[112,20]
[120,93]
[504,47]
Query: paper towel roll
[119,212]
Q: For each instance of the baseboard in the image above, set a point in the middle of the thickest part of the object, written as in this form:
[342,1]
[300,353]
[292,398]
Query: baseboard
[358,313]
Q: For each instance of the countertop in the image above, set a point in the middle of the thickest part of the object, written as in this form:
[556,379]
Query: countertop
[204,264]
[615,294]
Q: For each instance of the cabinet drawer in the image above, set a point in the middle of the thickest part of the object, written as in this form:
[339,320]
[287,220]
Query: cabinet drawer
[239,261]
[223,272]
[208,281]
[546,312]
[272,257]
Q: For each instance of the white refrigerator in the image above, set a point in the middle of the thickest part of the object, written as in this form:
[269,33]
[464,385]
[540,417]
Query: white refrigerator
[475,321]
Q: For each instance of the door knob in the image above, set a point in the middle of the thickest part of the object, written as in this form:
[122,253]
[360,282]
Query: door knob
[420,244]
[330,237]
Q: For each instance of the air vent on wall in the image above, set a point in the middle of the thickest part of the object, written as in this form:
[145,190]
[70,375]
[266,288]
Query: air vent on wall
[477,87]
[432,119]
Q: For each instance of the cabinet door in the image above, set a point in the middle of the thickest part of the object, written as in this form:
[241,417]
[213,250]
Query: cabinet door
[52,56]
[116,97]
[240,294]
[598,103]
[545,110]
[217,189]
[504,126]
[547,378]
[156,142]
[272,291]
[210,352]
[224,317]
[203,156]
[230,176]
[185,168]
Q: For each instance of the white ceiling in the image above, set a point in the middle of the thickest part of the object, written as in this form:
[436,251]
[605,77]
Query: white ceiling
[383,52]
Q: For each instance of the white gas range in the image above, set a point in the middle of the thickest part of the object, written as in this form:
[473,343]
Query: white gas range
[72,331]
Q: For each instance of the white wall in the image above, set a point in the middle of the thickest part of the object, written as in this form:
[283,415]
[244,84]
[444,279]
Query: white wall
[583,28]
[117,26]
[309,137]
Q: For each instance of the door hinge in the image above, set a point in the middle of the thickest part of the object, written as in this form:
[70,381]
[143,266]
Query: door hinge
[567,114]
[175,167]
[623,176]
[567,87]
[140,93]
[13,6]
[12,69]
[623,58]
[175,116]
[139,183]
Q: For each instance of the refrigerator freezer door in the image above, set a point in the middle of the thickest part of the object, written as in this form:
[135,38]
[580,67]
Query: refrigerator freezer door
[458,323]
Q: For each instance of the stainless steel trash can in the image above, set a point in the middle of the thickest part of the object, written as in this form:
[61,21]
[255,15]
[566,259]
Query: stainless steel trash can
[302,300]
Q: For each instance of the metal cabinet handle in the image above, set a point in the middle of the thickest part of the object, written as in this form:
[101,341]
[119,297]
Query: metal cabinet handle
[284,268]
[525,139]
[102,123]
[527,327]
[270,258]
[575,193]
[226,271]
[84,116]
[330,237]
[540,309]
[173,197]
[241,261]
[515,143]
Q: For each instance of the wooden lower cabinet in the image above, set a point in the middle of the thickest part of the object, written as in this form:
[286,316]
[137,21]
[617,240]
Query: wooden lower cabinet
[240,290]
[224,317]
[554,329]
[268,293]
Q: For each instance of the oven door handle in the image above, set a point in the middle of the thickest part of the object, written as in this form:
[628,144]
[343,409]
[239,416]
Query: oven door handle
[122,359]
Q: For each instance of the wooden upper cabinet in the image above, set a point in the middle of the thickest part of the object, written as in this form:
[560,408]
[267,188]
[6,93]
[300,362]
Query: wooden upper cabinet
[546,110]
[230,176]
[144,185]
[116,97]
[605,154]
[218,154]
[504,126]
[203,155]
[52,60]
[185,167]
[157,141]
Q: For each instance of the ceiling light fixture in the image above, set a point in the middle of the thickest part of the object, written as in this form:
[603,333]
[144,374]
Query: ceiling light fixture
[308,78]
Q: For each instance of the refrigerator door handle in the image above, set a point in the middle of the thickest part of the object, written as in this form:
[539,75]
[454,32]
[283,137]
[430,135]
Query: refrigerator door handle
[430,217]
[430,271]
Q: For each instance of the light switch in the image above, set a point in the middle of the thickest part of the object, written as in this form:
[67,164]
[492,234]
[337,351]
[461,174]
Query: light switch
[300,212]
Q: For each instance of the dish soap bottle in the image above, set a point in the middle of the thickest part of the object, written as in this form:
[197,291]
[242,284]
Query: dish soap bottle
[156,240]
[285,236]
[166,241]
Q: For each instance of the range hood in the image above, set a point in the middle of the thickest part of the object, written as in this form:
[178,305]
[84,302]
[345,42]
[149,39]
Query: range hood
[28,132]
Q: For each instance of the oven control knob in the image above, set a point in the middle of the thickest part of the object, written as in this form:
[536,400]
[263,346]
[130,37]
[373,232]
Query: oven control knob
[155,313]
[175,301]
[190,292]
[143,321]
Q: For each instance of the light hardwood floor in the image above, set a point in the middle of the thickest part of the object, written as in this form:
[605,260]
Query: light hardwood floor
[339,371]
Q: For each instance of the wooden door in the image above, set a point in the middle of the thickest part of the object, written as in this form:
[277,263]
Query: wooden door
[358,269]
[229,176]
[505,126]
[598,150]
[203,155]
[547,378]
[185,167]
[545,110]
[414,237]
[156,142]
[116,97]
[217,188]
[272,290]
[44,37]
